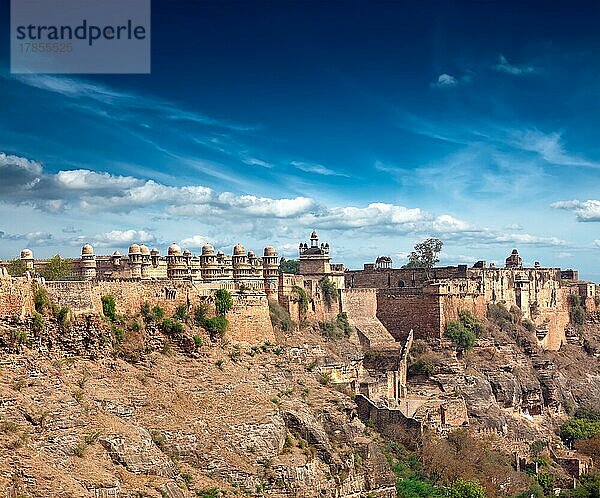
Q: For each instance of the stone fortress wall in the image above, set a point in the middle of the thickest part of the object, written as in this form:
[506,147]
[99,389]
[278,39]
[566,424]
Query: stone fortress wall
[422,300]
[425,300]
[249,318]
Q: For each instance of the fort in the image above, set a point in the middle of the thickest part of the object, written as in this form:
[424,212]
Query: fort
[387,307]
[419,299]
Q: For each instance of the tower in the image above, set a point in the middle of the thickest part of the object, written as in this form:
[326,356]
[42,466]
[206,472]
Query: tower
[87,266]
[27,258]
[314,260]
[270,270]
[135,260]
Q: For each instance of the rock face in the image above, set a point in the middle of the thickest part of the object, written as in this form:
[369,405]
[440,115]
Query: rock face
[78,420]
[138,453]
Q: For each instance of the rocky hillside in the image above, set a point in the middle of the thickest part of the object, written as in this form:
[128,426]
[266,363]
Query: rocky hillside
[84,413]
[129,409]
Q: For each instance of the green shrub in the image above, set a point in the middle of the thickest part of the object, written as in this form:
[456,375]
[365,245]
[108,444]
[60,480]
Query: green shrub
[591,413]
[425,365]
[343,323]
[16,268]
[20,337]
[158,313]
[546,480]
[223,301]
[41,300]
[135,326]
[181,313]
[119,333]
[146,311]
[200,314]
[471,322]
[198,342]
[39,323]
[329,290]
[466,489]
[498,314]
[578,315]
[217,325]
[460,335]
[576,429]
[303,300]
[289,266]
[109,307]
[171,327]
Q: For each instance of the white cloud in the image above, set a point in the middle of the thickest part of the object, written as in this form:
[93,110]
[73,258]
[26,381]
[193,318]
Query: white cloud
[195,241]
[445,80]
[504,66]
[119,238]
[597,243]
[584,210]
[527,239]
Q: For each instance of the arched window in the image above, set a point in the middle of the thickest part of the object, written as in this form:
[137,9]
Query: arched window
[401,284]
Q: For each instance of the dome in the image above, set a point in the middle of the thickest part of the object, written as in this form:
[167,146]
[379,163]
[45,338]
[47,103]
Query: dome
[144,249]
[208,250]
[251,254]
[154,251]
[87,250]
[239,250]
[270,251]
[187,252]
[26,254]
[174,249]
[314,235]
[220,253]
[134,249]
[116,254]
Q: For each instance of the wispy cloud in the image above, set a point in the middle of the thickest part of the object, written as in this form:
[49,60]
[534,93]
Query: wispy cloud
[503,66]
[315,168]
[121,103]
[550,147]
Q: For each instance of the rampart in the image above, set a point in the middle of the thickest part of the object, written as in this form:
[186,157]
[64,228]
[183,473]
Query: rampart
[249,319]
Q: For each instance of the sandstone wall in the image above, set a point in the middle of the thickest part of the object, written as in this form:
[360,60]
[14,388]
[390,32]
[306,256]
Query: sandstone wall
[16,297]
[249,320]
[400,277]
[451,304]
[401,310]
[359,302]
[389,422]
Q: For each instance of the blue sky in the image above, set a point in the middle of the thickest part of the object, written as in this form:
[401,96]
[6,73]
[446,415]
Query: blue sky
[377,123]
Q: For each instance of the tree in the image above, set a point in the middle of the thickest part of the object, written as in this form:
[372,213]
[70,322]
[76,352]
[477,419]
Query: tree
[223,301]
[16,268]
[466,489]
[57,269]
[460,335]
[576,429]
[289,266]
[425,254]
